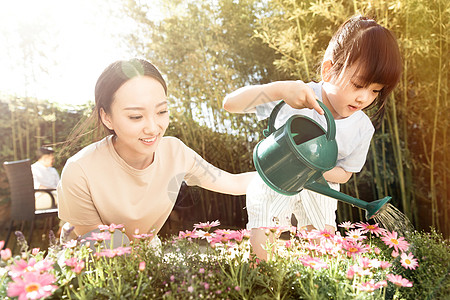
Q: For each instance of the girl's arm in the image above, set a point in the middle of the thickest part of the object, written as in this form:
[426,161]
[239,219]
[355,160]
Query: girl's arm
[295,93]
[337,175]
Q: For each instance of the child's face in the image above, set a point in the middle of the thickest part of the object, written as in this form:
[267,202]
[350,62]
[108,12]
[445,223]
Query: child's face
[139,116]
[346,95]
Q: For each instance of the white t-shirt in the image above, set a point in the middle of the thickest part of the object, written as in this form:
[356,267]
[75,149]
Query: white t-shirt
[353,134]
[45,176]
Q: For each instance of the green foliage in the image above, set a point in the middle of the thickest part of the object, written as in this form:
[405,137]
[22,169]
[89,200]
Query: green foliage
[431,278]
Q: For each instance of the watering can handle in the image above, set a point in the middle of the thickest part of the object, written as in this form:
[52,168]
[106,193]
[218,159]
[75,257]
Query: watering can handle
[331,125]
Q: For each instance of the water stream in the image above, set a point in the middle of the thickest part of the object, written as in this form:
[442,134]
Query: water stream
[392,219]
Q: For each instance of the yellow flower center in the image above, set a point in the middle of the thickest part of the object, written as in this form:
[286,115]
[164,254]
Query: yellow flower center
[394,241]
[353,249]
[326,235]
[407,261]
[32,287]
[370,227]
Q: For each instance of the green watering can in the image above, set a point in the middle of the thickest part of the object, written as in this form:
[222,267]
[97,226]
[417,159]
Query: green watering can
[295,156]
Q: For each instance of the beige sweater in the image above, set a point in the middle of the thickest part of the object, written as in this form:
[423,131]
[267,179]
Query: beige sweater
[98,187]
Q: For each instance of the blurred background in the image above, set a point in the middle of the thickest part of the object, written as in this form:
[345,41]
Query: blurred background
[51,53]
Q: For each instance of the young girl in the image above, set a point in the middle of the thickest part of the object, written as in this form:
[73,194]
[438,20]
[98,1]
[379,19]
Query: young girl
[133,175]
[360,68]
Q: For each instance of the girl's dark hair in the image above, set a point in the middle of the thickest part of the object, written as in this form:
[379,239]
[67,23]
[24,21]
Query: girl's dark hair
[111,79]
[375,50]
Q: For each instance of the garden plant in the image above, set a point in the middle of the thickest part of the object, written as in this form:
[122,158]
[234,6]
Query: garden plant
[361,261]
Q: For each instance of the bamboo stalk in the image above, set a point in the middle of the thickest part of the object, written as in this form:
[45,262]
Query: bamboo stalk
[434,201]
[302,44]
[378,179]
[398,156]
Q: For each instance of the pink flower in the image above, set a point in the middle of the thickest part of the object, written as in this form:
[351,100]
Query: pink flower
[350,272]
[32,285]
[119,251]
[21,267]
[2,243]
[71,244]
[408,261]
[100,237]
[370,286]
[391,239]
[5,254]
[76,265]
[207,226]
[347,225]
[35,251]
[325,234]
[111,228]
[190,289]
[143,236]
[187,234]
[385,264]
[354,248]
[399,281]
[142,266]
[313,262]
[374,229]
[205,235]
[356,235]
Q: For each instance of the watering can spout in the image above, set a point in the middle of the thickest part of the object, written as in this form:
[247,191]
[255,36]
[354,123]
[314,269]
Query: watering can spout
[372,208]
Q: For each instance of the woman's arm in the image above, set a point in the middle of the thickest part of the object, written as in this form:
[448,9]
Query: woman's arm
[295,93]
[337,175]
[227,183]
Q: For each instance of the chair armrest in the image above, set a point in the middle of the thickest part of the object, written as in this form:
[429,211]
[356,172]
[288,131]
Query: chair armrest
[48,191]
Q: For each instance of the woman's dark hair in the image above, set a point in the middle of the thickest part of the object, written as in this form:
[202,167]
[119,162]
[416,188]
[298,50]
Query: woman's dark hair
[375,51]
[111,79]
[115,75]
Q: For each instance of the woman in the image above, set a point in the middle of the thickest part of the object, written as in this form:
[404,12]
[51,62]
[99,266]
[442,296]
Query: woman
[133,175]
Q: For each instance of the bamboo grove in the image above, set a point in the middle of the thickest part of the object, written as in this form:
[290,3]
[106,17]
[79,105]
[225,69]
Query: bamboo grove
[207,49]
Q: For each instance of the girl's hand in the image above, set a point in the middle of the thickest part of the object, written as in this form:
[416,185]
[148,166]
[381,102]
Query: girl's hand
[298,95]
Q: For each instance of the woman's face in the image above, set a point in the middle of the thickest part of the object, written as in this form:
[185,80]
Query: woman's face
[139,116]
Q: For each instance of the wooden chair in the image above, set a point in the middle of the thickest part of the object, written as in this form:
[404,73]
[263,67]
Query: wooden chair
[23,204]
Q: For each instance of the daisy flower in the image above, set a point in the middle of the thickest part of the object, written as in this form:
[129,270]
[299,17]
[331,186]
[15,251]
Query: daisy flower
[399,281]
[354,248]
[313,262]
[32,285]
[99,237]
[205,235]
[393,241]
[408,261]
[347,225]
[207,225]
[356,235]
[374,229]
[187,234]
[371,286]
[111,228]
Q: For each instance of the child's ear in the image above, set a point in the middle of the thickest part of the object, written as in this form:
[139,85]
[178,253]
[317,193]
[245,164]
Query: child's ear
[106,120]
[326,70]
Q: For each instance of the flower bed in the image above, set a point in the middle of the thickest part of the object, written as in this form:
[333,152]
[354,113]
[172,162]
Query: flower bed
[362,262]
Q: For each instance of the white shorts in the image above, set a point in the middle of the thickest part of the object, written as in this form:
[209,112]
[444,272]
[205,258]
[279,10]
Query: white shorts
[267,208]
